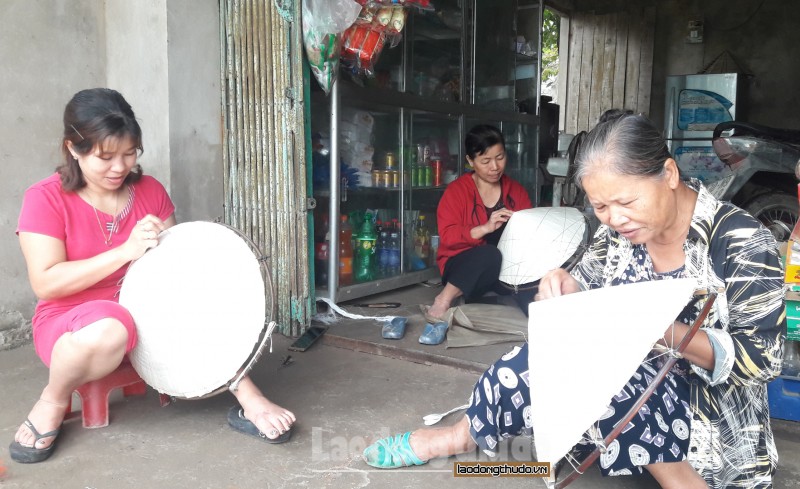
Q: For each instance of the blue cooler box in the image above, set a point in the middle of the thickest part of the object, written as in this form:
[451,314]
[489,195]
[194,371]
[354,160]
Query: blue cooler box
[784,398]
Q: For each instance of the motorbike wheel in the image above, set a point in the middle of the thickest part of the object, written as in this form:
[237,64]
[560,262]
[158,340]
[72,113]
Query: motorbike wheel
[778,212]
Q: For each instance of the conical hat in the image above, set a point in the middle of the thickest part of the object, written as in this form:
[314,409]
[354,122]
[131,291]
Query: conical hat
[199,305]
[538,240]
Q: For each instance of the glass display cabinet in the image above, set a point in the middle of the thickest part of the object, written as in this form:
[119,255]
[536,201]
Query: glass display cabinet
[387,145]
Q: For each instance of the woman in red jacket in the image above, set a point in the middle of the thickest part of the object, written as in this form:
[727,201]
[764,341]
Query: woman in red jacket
[472,215]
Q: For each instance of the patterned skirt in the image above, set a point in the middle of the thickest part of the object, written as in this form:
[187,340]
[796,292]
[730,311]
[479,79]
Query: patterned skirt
[500,407]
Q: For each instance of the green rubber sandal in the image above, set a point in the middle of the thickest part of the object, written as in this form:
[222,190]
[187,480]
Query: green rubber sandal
[391,453]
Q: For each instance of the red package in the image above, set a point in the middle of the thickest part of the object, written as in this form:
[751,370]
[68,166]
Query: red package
[353,40]
[372,47]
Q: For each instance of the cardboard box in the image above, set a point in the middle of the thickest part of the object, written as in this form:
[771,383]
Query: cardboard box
[793,316]
[792,263]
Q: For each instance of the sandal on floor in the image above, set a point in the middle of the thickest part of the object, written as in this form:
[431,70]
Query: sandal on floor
[391,453]
[238,422]
[433,334]
[31,455]
[394,329]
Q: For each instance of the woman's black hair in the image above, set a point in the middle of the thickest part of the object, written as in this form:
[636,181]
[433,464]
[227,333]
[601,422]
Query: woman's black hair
[90,118]
[482,137]
[630,144]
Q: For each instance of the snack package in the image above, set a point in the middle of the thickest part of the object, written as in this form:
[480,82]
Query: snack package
[398,20]
[362,46]
[324,21]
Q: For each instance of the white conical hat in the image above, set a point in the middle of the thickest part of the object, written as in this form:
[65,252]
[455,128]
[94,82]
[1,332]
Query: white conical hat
[199,305]
[538,240]
[583,347]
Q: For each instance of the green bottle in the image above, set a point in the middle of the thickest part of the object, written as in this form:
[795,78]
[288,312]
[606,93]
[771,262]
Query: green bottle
[366,238]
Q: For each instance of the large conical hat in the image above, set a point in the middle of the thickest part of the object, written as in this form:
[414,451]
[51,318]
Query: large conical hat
[199,305]
[583,348]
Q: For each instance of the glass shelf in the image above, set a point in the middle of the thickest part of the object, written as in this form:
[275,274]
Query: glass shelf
[455,67]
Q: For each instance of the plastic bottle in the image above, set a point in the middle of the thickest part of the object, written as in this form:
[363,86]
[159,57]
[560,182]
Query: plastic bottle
[383,254]
[394,253]
[345,252]
[424,239]
[364,269]
[791,358]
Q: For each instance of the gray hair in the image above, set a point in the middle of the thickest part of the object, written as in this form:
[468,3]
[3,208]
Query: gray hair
[629,144]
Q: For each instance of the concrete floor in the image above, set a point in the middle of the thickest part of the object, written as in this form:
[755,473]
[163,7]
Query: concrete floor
[347,390]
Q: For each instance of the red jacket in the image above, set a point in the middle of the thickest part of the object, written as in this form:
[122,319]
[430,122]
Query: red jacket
[461,209]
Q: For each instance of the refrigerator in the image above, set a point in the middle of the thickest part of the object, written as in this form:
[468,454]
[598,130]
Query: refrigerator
[695,104]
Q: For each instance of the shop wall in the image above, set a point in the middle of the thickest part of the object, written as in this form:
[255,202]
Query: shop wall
[48,51]
[758,34]
[162,55]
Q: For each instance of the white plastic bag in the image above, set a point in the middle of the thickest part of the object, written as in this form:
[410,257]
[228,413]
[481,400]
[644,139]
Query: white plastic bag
[324,21]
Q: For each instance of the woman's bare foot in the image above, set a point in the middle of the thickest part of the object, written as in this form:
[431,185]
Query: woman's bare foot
[428,443]
[45,416]
[439,308]
[269,418]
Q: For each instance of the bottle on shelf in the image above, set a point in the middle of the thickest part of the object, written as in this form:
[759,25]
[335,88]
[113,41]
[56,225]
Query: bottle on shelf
[791,358]
[421,240]
[345,252]
[383,254]
[394,253]
[364,268]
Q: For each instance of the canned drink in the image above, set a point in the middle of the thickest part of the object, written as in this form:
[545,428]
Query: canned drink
[391,161]
[421,175]
[428,176]
[386,178]
[436,166]
[395,178]
[376,178]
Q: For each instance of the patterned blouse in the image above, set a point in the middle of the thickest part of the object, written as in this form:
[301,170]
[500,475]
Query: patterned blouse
[726,249]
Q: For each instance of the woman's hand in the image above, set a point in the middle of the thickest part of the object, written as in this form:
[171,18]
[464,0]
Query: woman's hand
[497,219]
[556,283]
[144,236]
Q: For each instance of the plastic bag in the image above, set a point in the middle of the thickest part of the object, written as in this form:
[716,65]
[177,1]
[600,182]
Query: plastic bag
[420,4]
[324,21]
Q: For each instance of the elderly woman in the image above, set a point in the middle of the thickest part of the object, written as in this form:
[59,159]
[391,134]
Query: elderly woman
[656,227]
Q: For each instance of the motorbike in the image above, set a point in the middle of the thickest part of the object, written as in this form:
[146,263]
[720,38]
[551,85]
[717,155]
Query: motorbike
[762,168]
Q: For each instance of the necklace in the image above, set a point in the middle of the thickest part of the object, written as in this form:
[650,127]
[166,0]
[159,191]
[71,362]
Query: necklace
[114,222]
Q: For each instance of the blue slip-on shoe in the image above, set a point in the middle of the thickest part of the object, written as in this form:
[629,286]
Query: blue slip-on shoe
[433,334]
[392,452]
[394,329]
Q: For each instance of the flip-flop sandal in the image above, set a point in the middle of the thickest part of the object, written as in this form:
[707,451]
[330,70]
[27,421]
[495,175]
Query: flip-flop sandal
[31,455]
[238,422]
[394,329]
[433,334]
[392,452]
